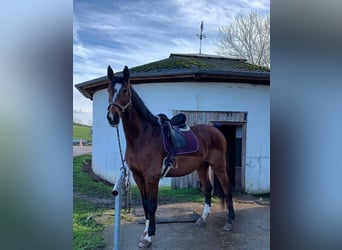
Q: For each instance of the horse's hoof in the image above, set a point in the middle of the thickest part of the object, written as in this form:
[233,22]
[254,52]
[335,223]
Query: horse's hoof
[228,227]
[145,244]
[201,222]
[142,236]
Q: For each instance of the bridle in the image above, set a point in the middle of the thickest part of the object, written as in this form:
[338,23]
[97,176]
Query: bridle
[122,108]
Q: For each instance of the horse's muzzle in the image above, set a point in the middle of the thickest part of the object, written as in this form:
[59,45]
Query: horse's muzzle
[113,118]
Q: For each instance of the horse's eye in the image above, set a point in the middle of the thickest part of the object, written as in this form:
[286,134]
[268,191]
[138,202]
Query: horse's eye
[125,91]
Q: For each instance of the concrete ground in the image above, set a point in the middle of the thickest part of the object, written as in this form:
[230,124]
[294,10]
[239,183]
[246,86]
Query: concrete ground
[176,228]
[78,150]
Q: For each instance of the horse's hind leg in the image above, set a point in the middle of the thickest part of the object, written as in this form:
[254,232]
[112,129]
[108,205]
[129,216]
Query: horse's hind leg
[206,188]
[231,214]
[221,174]
[222,177]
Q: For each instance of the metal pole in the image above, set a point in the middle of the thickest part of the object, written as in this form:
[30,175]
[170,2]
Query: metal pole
[117,187]
[117,210]
[201,35]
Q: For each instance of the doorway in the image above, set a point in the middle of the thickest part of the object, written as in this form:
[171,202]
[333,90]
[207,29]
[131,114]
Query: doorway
[233,135]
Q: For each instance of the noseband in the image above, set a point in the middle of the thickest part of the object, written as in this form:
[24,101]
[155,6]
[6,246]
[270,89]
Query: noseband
[123,108]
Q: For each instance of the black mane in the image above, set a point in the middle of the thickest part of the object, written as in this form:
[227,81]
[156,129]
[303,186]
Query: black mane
[141,108]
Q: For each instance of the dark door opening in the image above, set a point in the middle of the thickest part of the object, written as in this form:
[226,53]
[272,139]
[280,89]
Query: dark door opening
[233,135]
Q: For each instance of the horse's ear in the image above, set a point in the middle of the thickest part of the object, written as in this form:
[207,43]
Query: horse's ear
[126,73]
[110,73]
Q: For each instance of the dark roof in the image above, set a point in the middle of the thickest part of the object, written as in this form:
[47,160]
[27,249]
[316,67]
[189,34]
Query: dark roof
[187,67]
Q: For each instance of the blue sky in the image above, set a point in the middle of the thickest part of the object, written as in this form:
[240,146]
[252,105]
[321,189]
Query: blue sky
[124,32]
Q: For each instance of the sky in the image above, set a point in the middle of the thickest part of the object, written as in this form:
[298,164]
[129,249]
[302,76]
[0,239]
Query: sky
[136,32]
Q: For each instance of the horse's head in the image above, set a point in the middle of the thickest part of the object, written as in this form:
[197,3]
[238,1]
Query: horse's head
[119,95]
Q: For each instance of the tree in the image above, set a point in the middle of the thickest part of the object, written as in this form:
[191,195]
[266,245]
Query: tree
[247,37]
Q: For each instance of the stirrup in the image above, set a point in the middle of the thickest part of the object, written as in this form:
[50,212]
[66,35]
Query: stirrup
[166,169]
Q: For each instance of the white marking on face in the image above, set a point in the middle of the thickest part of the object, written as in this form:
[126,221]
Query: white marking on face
[117,88]
[110,115]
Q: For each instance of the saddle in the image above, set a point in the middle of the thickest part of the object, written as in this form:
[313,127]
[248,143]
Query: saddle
[178,139]
[173,127]
[178,120]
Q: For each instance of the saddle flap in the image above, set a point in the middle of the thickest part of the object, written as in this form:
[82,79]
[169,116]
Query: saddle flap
[185,142]
[178,137]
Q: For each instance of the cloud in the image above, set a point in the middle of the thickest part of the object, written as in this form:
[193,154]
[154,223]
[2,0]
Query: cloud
[137,32]
[256,4]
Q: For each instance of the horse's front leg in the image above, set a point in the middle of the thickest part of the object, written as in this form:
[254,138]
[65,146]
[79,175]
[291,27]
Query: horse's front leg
[151,204]
[139,180]
[147,221]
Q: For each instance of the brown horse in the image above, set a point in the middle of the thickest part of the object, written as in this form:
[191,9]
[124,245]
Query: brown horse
[145,153]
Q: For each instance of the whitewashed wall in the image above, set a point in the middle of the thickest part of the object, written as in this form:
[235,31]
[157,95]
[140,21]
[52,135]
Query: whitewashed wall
[166,97]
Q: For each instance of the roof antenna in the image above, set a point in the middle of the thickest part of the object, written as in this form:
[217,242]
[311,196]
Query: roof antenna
[201,35]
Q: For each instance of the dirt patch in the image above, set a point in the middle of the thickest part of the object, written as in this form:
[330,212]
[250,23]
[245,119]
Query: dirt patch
[251,228]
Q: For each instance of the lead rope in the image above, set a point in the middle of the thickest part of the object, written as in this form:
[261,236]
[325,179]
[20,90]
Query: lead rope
[126,184]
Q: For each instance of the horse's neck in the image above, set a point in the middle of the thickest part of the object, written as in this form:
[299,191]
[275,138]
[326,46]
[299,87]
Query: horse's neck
[135,127]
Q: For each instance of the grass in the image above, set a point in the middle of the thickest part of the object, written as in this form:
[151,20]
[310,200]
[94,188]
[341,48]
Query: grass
[84,184]
[89,219]
[87,232]
[81,132]
[172,63]
[253,67]
[166,195]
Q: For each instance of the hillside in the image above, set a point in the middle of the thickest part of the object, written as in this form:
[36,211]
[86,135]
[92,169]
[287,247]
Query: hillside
[81,132]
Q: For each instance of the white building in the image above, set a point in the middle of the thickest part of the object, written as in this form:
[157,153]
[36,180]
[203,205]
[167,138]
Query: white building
[227,93]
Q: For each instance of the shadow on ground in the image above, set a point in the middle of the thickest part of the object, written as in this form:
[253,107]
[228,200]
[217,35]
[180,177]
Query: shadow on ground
[177,230]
